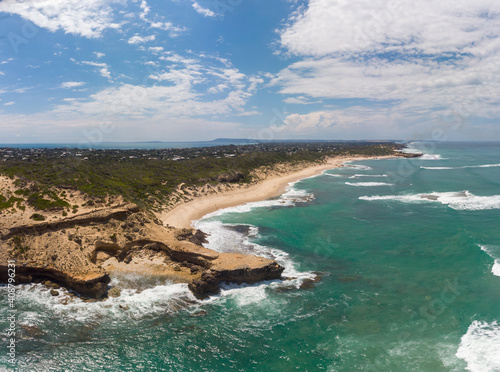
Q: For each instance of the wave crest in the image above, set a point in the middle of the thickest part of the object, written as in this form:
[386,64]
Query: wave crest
[479,347]
[494,252]
[369,184]
[461,200]
[463,167]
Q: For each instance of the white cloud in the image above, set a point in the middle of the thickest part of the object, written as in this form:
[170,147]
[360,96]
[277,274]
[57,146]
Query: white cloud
[155,49]
[424,59]
[166,26]
[2,73]
[103,68]
[301,100]
[250,113]
[347,123]
[182,90]
[140,39]
[21,90]
[427,26]
[72,84]
[85,18]
[90,131]
[203,11]
[99,55]
[217,89]
[422,84]
[9,103]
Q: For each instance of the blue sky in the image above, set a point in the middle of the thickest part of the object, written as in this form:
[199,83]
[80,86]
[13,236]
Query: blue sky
[177,70]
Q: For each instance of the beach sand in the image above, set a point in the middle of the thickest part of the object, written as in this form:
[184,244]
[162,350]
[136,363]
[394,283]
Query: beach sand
[183,215]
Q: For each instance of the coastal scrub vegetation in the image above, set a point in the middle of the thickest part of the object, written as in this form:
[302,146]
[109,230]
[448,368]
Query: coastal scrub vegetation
[18,246]
[149,177]
[10,202]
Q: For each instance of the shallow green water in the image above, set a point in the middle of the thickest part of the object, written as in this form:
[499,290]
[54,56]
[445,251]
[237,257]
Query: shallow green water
[407,283]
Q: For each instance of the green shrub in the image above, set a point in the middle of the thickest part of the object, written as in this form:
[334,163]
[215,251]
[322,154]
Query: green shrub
[37,217]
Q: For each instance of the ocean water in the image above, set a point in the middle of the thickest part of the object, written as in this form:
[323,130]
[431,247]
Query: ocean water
[152,145]
[406,251]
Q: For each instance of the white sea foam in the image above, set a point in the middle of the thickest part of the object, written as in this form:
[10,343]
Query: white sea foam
[438,168]
[462,200]
[494,252]
[464,167]
[334,175]
[480,347]
[224,238]
[409,150]
[369,184]
[288,199]
[244,294]
[357,166]
[369,175]
[432,157]
[131,303]
[496,268]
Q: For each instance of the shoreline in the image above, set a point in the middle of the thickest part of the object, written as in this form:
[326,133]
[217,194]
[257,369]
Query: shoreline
[184,215]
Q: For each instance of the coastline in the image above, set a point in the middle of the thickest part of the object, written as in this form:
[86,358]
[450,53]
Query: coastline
[183,215]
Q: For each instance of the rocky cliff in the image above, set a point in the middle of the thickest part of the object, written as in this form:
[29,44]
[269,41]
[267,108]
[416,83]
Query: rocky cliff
[79,253]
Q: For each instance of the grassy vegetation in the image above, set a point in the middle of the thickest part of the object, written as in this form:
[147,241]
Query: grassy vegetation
[9,203]
[38,201]
[145,177]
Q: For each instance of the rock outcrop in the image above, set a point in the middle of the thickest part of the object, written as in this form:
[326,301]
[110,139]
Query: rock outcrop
[79,253]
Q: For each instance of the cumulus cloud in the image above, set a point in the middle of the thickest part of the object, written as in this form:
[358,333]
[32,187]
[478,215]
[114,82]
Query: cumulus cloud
[9,103]
[85,18]
[327,27]
[424,59]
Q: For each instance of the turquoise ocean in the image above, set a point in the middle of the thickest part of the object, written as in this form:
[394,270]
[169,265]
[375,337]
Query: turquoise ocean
[391,265]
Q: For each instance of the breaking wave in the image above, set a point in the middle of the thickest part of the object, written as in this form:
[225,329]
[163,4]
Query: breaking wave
[369,175]
[479,347]
[236,238]
[132,303]
[357,166]
[288,199]
[432,157]
[462,200]
[464,167]
[494,252]
[369,184]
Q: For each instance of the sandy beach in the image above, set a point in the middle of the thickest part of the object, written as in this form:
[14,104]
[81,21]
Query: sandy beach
[183,215]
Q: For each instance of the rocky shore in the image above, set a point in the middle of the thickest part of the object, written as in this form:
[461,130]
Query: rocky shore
[79,253]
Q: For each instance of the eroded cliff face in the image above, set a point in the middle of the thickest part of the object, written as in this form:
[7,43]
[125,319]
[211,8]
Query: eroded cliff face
[79,253]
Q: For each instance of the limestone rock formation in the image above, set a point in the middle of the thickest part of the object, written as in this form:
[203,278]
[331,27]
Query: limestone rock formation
[79,252]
